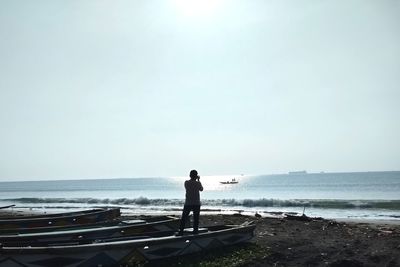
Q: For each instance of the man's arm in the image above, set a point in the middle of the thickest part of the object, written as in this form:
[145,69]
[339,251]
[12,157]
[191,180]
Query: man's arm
[201,187]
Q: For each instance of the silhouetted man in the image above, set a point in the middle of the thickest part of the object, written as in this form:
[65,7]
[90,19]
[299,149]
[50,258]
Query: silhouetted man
[192,201]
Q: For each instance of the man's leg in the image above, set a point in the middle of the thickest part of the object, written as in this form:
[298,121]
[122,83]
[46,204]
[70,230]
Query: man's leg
[196,215]
[185,214]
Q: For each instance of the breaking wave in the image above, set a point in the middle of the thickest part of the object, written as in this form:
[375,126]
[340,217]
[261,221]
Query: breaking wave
[144,201]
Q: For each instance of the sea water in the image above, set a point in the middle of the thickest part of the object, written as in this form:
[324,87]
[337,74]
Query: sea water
[366,195]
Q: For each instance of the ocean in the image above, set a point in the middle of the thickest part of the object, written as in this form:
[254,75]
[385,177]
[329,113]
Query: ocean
[362,195]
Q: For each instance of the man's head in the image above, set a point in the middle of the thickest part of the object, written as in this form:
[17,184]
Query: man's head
[193,174]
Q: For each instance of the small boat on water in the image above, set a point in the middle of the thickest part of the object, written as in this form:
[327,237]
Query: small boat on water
[123,229]
[117,251]
[232,181]
[60,219]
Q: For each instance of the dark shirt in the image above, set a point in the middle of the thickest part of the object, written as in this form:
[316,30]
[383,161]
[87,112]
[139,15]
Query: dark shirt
[193,189]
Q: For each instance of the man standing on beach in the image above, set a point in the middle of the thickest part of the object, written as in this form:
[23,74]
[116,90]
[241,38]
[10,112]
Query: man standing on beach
[192,201]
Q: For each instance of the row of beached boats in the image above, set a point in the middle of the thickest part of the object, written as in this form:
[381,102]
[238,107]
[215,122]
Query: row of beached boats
[100,237]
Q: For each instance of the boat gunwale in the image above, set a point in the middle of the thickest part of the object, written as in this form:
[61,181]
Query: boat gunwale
[64,249]
[44,229]
[49,215]
[122,226]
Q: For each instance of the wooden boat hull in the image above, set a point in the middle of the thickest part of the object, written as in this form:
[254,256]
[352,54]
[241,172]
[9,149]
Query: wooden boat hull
[48,215]
[123,229]
[116,221]
[93,216]
[114,253]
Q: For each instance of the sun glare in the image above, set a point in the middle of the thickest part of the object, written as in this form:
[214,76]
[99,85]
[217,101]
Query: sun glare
[197,8]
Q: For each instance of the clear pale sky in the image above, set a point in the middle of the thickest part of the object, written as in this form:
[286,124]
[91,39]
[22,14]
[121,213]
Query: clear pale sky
[102,89]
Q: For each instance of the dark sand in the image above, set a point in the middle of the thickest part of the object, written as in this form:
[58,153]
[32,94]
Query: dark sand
[319,242]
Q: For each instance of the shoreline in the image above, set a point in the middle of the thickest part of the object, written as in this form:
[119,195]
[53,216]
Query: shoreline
[369,221]
[273,214]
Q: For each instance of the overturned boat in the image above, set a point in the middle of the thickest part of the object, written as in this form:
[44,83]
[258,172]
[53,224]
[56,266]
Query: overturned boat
[116,251]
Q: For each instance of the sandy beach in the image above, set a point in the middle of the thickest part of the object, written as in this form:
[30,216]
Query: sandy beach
[319,242]
[304,241]
[312,242]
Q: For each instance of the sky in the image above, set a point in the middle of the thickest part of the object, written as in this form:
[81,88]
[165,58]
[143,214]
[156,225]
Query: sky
[104,89]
